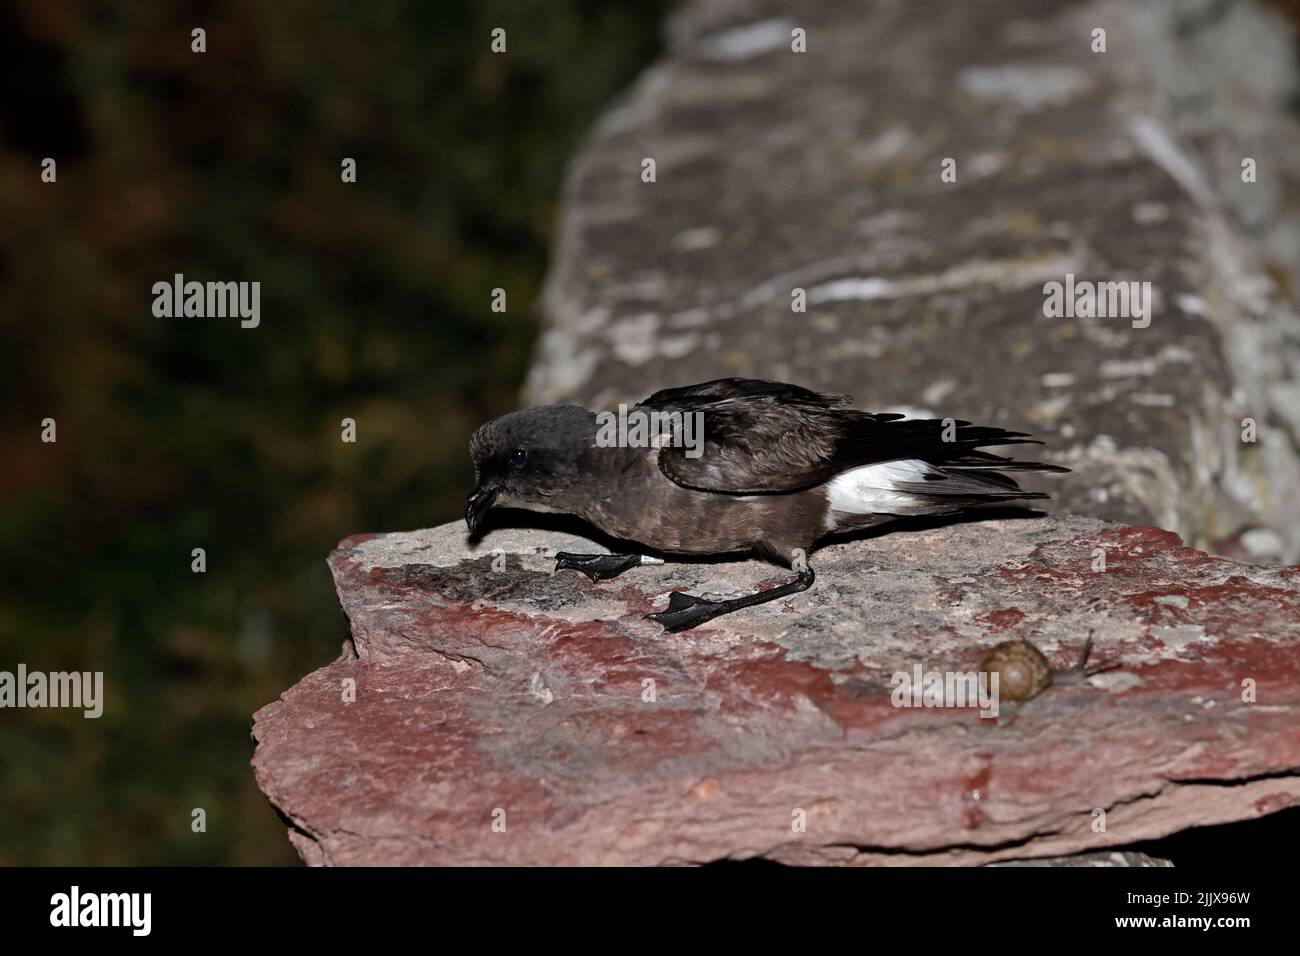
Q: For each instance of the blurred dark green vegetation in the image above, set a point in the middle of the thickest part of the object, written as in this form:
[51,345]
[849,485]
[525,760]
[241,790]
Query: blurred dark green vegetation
[182,433]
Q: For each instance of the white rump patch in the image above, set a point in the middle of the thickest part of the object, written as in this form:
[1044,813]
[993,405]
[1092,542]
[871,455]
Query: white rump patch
[872,489]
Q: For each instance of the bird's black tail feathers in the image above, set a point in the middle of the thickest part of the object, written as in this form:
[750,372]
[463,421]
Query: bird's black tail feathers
[976,478]
[962,476]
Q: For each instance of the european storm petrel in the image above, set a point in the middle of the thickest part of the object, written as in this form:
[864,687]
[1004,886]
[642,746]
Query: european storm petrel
[776,468]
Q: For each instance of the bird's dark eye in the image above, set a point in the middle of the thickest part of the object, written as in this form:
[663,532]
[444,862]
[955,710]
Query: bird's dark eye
[518,456]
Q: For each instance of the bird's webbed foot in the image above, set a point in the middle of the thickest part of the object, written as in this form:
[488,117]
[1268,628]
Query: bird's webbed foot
[686,611]
[598,567]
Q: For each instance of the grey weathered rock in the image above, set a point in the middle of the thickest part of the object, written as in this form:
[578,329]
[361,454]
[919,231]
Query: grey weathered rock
[778,170]
[486,687]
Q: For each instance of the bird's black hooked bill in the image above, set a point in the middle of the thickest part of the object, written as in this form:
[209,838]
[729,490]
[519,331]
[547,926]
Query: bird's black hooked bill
[477,505]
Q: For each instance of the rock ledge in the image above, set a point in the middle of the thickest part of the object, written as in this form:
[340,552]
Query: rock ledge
[489,690]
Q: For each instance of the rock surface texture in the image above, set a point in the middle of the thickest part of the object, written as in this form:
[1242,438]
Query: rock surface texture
[547,705]
[820,171]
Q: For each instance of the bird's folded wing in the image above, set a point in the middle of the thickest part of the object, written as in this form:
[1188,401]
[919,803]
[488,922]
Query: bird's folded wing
[770,438]
[693,397]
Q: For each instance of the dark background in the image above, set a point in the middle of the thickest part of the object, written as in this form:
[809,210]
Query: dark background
[175,434]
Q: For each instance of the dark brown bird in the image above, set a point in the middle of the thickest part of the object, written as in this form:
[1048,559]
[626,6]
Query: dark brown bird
[776,468]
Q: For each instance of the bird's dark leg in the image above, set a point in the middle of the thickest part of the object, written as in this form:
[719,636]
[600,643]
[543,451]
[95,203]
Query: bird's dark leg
[600,567]
[686,611]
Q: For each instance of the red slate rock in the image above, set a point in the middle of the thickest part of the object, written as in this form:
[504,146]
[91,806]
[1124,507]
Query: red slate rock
[519,695]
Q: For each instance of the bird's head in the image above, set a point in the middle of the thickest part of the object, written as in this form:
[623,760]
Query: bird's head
[529,459]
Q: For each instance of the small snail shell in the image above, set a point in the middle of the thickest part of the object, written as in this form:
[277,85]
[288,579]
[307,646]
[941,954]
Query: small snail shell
[1023,671]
